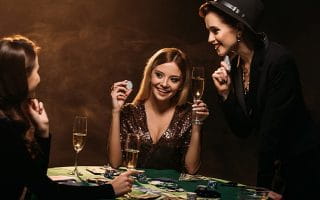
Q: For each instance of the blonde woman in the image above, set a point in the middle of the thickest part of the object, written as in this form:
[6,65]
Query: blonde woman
[160,115]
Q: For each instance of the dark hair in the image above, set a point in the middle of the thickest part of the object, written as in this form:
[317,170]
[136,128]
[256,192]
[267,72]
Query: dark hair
[17,60]
[166,55]
[250,38]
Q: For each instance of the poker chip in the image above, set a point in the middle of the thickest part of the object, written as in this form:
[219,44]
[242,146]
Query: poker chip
[191,195]
[129,85]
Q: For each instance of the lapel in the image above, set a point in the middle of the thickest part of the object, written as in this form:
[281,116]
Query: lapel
[257,86]
[260,73]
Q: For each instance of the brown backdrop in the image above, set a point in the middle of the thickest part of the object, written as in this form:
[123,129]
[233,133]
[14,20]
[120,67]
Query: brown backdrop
[89,44]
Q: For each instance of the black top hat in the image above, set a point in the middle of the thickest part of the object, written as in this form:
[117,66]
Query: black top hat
[246,11]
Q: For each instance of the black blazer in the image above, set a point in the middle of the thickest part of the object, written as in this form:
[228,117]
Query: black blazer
[274,109]
[19,169]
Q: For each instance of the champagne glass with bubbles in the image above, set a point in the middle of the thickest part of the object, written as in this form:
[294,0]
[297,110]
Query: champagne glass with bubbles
[132,147]
[79,134]
[197,89]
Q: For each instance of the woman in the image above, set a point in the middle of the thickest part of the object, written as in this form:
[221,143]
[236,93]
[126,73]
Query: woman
[160,115]
[262,95]
[24,128]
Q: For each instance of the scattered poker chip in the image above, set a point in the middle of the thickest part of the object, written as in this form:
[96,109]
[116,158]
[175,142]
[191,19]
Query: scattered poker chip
[191,195]
[155,182]
[138,171]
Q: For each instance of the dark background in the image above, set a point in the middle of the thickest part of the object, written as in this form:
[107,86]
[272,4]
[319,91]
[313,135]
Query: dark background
[89,44]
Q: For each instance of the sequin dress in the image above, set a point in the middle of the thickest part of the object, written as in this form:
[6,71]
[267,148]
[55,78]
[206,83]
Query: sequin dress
[170,150]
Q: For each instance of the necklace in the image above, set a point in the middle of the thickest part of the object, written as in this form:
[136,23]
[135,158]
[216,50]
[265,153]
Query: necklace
[245,76]
[245,81]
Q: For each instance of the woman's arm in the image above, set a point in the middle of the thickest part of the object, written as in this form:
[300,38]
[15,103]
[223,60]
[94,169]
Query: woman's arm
[40,121]
[114,150]
[43,155]
[119,94]
[224,82]
[192,158]
[240,124]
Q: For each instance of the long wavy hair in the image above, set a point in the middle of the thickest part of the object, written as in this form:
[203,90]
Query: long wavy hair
[165,55]
[17,60]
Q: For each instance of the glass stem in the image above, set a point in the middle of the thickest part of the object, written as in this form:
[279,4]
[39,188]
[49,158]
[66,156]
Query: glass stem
[195,117]
[76,164]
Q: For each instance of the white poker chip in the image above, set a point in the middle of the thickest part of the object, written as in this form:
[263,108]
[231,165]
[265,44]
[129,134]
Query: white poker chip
[227,61]
[155,182]
[129,85]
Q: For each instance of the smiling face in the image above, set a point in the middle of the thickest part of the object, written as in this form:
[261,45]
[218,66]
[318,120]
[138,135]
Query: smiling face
[166,81]
[221,35]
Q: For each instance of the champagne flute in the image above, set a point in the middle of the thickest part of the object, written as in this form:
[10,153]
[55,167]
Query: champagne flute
[132,147]
[79,133]
[197,90]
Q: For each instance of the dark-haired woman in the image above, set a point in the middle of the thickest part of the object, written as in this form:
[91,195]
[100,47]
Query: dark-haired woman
[24,128]
[261,94]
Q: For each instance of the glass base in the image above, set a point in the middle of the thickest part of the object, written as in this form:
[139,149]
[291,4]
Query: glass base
[75,172]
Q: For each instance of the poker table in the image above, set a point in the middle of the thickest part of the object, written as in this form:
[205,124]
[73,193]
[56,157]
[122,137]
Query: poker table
[155,183]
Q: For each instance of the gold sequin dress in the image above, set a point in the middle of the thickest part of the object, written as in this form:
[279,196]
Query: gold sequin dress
[169,151]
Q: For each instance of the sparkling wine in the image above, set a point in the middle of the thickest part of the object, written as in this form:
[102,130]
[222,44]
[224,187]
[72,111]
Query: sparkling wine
[78,141]
[197,87]
[131,158]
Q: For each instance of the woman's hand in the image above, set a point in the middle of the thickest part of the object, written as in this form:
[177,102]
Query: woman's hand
[119,94]
[222,81]
[201,109]
[123,183]
[39,117]
[274,195]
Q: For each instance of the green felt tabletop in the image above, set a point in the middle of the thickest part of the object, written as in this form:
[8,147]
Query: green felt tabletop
[227,192]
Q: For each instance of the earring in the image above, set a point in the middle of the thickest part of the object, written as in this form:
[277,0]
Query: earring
[238,38]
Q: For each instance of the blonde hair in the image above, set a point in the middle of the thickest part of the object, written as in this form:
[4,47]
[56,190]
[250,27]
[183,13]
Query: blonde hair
[166,55]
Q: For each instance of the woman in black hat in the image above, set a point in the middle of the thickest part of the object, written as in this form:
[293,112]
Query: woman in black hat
[24,128]
[260,93]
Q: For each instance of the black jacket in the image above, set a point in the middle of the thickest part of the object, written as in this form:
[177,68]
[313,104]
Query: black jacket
[274,109]
[19,169]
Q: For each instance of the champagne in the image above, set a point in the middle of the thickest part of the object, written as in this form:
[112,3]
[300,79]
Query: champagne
[197,87]
[79,133]
[78,141]
[131,158]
